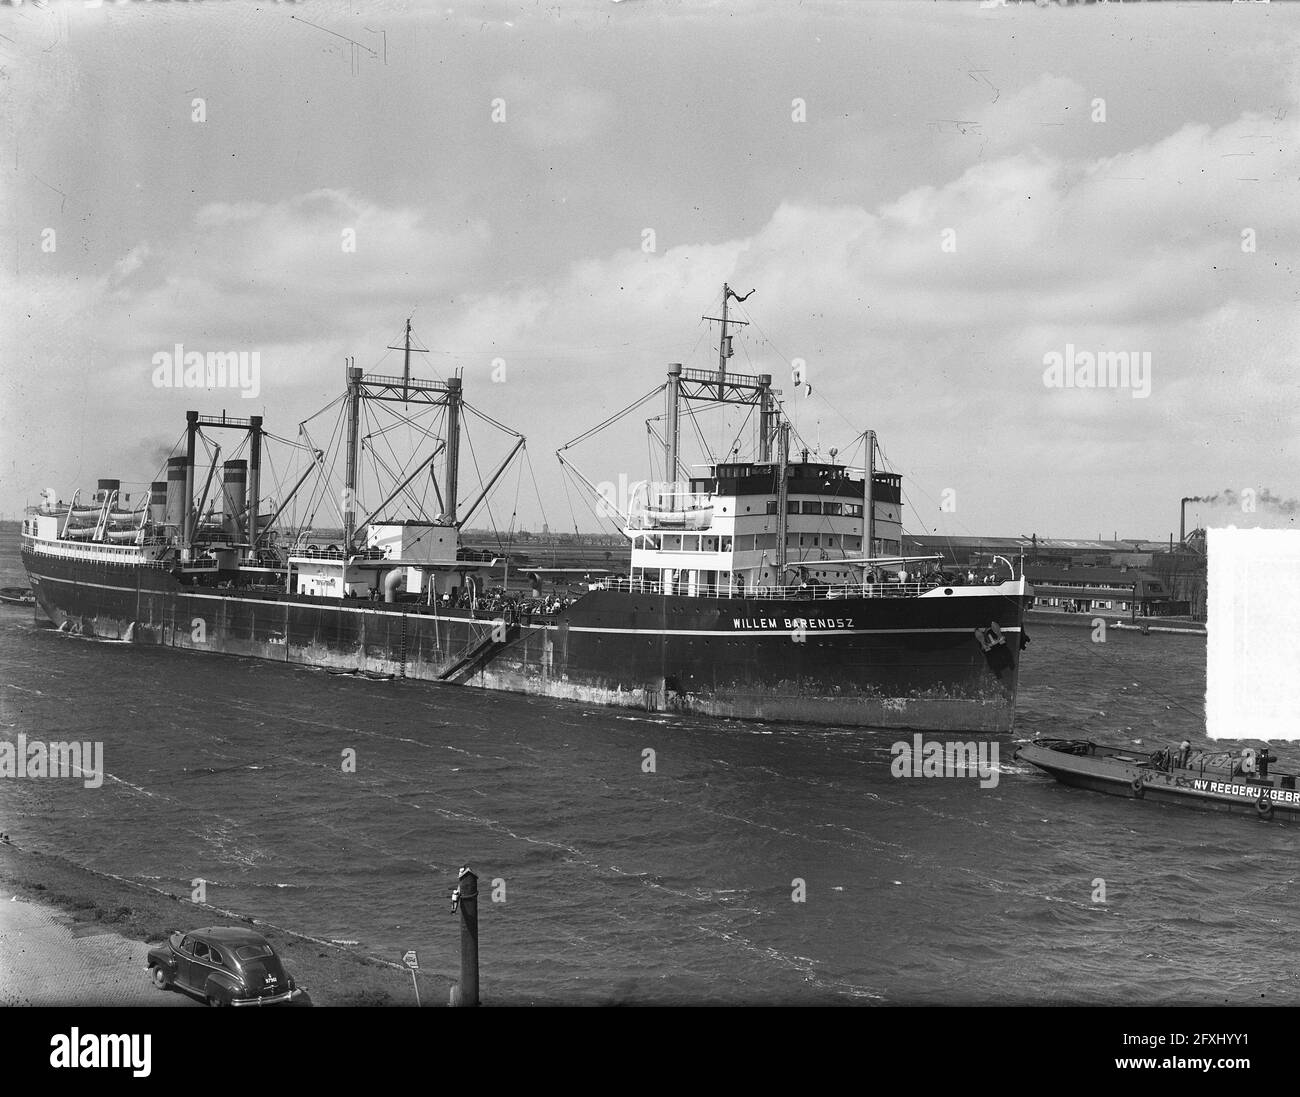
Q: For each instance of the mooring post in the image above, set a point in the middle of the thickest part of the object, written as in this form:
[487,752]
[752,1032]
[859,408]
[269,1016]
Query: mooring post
[465,900]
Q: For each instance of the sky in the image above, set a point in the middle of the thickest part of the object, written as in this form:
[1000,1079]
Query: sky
[945,210]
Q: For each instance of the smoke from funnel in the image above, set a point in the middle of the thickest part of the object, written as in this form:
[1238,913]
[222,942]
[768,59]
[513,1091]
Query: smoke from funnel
[1262,497]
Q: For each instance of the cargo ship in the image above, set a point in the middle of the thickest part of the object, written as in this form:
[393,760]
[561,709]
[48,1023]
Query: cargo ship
[769,589]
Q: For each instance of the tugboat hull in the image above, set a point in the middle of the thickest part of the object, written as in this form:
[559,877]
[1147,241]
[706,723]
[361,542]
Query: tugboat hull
[1086,765]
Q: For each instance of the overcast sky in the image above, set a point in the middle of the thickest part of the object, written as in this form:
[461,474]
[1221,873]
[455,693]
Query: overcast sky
[969,191]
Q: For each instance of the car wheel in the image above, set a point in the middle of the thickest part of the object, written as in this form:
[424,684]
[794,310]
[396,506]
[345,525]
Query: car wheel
[160,977]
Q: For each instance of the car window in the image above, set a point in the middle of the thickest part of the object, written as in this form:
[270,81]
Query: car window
[216,957]
[200,950]
[187,945]
[252,952]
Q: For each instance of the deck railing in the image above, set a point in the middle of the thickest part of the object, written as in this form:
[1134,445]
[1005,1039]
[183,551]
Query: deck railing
[810,591]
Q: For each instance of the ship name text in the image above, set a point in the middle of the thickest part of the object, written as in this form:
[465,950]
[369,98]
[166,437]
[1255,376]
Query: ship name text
[791,622]
[1223,788]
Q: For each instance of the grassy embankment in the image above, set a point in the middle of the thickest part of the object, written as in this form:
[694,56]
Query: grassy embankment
[333,975]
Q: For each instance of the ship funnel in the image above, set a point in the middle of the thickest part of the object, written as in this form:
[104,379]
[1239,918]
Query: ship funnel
[158,503]
[234,488]
[105,489]
[175,516]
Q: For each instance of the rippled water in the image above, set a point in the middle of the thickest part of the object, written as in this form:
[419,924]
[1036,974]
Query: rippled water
[670,886]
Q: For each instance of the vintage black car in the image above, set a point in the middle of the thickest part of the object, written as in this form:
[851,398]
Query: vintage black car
[224,965]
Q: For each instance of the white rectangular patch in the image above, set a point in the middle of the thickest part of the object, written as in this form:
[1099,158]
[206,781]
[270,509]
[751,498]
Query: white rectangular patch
[1252,651]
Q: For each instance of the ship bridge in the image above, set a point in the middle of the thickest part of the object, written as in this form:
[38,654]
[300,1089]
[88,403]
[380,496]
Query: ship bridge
[721,533]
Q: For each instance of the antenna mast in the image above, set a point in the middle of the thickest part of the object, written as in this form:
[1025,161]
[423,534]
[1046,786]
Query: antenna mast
[406,360]
[724,343]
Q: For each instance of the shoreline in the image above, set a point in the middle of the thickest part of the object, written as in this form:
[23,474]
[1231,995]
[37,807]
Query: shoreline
[1168,625]
[94,903]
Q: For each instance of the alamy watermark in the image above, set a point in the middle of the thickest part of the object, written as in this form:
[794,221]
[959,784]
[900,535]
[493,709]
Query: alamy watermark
[934,759]
[217,369]
[41,759]
[112,1051]
[1106,369]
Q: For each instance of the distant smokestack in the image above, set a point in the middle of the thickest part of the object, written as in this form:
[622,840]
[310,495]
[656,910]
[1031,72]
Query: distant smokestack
[158,503]
[105,489]
[1182,517]
[234,477]
[176,503]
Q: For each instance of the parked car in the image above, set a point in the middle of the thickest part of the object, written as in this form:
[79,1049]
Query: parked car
[224,965]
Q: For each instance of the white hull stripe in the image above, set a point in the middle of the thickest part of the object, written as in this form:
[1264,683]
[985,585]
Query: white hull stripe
[784,632]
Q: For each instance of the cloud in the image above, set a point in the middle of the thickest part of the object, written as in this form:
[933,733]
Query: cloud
[1031,115]
[1138,250]
[547,114]
[132,261]
[314,265]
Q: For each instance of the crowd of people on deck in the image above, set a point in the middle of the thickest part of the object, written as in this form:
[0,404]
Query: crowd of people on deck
[931,575]
[510,606]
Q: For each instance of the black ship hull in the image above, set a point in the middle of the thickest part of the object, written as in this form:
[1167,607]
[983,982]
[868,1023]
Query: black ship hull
[882,662]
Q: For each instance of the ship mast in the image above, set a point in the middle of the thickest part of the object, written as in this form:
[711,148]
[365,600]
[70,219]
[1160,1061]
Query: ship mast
[404,389]
[350,481]
[869,497]
[782,498]
[406,348]
[671,431]
[452,472]
[724,343]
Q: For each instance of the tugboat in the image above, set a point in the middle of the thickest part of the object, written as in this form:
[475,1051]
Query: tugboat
[17,596]
[1221,780]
